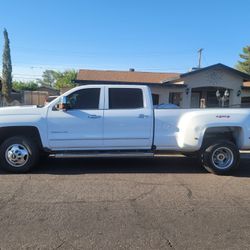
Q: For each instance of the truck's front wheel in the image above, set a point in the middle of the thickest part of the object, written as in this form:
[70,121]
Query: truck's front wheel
[220,157]
[18,154]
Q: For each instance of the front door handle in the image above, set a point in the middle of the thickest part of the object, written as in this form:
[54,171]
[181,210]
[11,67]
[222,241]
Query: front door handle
[94,116]
[142,116]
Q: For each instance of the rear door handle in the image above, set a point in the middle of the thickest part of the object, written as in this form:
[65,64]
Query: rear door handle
[142,116]
[94,116]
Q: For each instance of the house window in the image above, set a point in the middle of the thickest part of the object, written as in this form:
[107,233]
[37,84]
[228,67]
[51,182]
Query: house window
[213,102]
[155,99]
[245,102]
[175,98]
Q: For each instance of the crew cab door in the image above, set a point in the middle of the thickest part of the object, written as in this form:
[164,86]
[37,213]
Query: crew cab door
[81,125]
[128,118]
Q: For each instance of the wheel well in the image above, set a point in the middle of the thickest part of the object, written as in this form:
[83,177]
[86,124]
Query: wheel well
[29,131]
[233,134]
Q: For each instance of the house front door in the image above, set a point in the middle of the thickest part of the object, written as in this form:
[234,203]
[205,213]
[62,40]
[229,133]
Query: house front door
[195,100]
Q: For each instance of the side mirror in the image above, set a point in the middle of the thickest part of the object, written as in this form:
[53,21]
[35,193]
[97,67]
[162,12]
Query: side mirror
[63,105]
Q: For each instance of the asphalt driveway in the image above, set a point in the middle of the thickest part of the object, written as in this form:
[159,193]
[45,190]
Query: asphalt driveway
[167,203]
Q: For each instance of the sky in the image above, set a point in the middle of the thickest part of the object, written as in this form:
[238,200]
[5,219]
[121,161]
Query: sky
[148,35]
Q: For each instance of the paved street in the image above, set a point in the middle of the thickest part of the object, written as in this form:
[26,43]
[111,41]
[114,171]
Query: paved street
[166,203]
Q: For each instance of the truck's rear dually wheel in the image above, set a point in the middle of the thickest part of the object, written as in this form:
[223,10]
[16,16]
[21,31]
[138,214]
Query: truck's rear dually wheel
[18,154]
[220,157]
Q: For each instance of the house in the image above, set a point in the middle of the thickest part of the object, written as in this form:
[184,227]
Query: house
[193,89]
[201,85]
[50,90]
[153,79]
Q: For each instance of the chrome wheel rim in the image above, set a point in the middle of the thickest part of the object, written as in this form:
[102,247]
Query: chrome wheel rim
[17,155]
[222,158]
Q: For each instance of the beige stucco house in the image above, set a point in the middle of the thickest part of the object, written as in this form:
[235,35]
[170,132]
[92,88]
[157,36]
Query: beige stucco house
[193,89]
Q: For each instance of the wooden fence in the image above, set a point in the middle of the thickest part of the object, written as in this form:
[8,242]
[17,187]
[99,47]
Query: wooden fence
[26,98]
[34,97]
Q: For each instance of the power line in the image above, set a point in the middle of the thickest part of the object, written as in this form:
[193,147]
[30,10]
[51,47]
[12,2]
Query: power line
[98,53]
[51,67]
[25,75]
[27,78]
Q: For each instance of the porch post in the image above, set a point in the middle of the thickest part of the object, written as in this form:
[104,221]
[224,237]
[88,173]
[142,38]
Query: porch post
[187,98]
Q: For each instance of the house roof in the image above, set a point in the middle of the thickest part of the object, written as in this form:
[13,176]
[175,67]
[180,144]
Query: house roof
[85,75]
[244,76]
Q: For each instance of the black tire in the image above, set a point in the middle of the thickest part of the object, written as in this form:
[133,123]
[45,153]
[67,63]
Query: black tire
[212,157]
[43,156]
[30,155]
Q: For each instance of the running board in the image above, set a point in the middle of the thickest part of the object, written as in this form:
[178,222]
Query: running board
[103,155]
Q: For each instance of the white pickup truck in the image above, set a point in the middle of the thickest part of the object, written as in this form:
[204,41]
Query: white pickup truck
[120,121]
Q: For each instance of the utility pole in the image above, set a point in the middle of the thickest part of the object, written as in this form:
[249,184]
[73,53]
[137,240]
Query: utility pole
[200,54]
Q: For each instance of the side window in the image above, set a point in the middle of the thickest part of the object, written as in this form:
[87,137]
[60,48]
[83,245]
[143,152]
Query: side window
[175,98]
[84,99]
[125,98]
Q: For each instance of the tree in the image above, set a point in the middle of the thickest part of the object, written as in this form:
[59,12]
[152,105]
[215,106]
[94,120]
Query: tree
[244,66]
[19,85]
[66,79]
[49,77]
[7,69]
[58,79]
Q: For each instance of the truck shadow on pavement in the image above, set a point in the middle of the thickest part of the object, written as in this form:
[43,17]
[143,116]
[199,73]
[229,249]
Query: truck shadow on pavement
[167,165]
